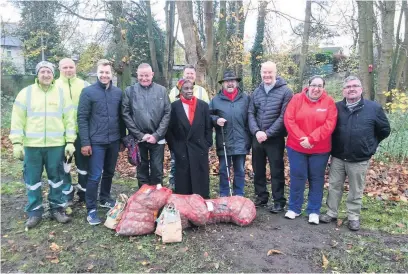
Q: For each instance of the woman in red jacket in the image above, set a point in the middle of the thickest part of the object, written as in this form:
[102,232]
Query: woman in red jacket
[310,119]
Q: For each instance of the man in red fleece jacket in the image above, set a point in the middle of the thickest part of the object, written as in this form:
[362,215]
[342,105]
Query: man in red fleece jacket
[310,119]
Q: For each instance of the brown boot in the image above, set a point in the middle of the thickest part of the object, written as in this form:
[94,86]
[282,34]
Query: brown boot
[33,221]
[60,217]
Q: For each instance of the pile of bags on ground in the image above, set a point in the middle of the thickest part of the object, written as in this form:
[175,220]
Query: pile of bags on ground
[138,214]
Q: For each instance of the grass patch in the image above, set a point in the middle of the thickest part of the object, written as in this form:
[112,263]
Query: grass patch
[357,253]
[386,216]
[12,188]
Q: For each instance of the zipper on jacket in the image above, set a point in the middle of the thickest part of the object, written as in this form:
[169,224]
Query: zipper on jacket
[107,110]
[45,118]
[69,85]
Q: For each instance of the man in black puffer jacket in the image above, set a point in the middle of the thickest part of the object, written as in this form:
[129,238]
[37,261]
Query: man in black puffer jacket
[265,116]
[100,128]
[146,111]
[361,126]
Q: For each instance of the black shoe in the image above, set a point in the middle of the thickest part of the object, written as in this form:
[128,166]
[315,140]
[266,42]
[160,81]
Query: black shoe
[276,208]
[33,221]
[260,203]
[107,203]
[324,218]
[354,225]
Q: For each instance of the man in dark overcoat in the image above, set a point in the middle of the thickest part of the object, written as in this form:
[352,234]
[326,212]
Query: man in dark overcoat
[189,137]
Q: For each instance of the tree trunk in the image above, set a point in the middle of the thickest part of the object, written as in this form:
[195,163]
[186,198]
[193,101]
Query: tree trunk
[370,91]
[121,63]
[305,45]
[193,48]
[363,48]
[155,65]
[240,34]
[402,58]
[387,16]
[257,48]
[395,54]
[170,10]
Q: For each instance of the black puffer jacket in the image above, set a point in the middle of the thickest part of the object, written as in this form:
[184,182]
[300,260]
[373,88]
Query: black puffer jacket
[236,130]
[265,112]
[358,132]
[99,118]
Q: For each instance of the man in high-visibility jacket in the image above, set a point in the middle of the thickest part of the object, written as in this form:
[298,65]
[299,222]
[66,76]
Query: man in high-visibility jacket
[73,86]
[189,73]
[42,132]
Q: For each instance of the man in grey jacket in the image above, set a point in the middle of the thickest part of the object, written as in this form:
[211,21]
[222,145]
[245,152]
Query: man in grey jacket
[146,112]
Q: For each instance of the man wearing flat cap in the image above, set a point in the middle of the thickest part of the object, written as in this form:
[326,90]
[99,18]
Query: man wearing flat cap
[42,132]
[228,111]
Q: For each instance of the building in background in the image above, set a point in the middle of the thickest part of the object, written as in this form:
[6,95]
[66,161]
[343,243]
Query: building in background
[12,47]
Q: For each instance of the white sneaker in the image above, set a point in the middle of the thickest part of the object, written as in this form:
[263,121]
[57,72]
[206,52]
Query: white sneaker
[314,218]
[291,214]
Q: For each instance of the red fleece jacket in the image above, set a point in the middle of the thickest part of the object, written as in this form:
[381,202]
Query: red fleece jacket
[315,120]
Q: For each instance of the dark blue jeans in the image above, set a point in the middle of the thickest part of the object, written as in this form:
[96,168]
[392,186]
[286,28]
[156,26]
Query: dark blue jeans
[310,167]
[104,159]
[238,163]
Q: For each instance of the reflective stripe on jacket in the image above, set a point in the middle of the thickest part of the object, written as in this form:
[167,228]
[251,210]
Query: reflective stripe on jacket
[42,118]
[73,88]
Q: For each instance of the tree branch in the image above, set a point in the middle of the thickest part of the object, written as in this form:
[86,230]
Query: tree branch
[181,45]
[83,17]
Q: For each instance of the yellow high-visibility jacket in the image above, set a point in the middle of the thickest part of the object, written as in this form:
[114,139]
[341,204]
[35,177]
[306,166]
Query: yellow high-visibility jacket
[198,92]
[73,87]
[42,118]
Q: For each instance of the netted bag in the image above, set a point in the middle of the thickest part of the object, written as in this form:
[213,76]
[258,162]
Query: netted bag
[142,209]
[192,208]
[236,209]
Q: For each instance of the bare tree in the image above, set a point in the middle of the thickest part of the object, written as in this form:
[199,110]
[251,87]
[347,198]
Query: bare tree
[305,45]
[387,9]
[365,45]
[403,50]
[171,38]
[194,51]
[152,46]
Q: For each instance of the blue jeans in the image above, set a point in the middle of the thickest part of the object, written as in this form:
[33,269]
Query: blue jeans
[104,159]
[304,167]
[238,163]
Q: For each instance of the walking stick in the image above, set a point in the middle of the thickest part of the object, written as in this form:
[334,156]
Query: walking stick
[226,159]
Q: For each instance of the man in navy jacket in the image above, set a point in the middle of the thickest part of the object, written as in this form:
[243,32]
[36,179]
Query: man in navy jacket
[265,118]
[361,126]
[100,129]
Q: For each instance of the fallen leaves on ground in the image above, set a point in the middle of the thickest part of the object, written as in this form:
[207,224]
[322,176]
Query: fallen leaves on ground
[385,181]
[273,252]
[54,247]
[325,263]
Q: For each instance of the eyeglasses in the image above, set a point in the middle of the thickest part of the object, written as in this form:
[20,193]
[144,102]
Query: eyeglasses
[316,86]
[353,86]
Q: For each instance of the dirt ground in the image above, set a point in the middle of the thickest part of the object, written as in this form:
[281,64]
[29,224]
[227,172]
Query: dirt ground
[214,248]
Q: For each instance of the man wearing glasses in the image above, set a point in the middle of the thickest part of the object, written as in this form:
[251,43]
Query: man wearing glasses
[361,126]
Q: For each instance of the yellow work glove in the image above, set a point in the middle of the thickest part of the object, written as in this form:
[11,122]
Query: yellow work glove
[18,151]
[69,150]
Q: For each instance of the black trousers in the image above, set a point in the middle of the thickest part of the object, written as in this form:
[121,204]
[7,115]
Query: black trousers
[272,149]
[150,171]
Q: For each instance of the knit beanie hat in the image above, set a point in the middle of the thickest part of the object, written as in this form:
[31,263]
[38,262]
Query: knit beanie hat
[44,64]
[180,83]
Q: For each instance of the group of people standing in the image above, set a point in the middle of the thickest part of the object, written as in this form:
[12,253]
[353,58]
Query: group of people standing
[55,120]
